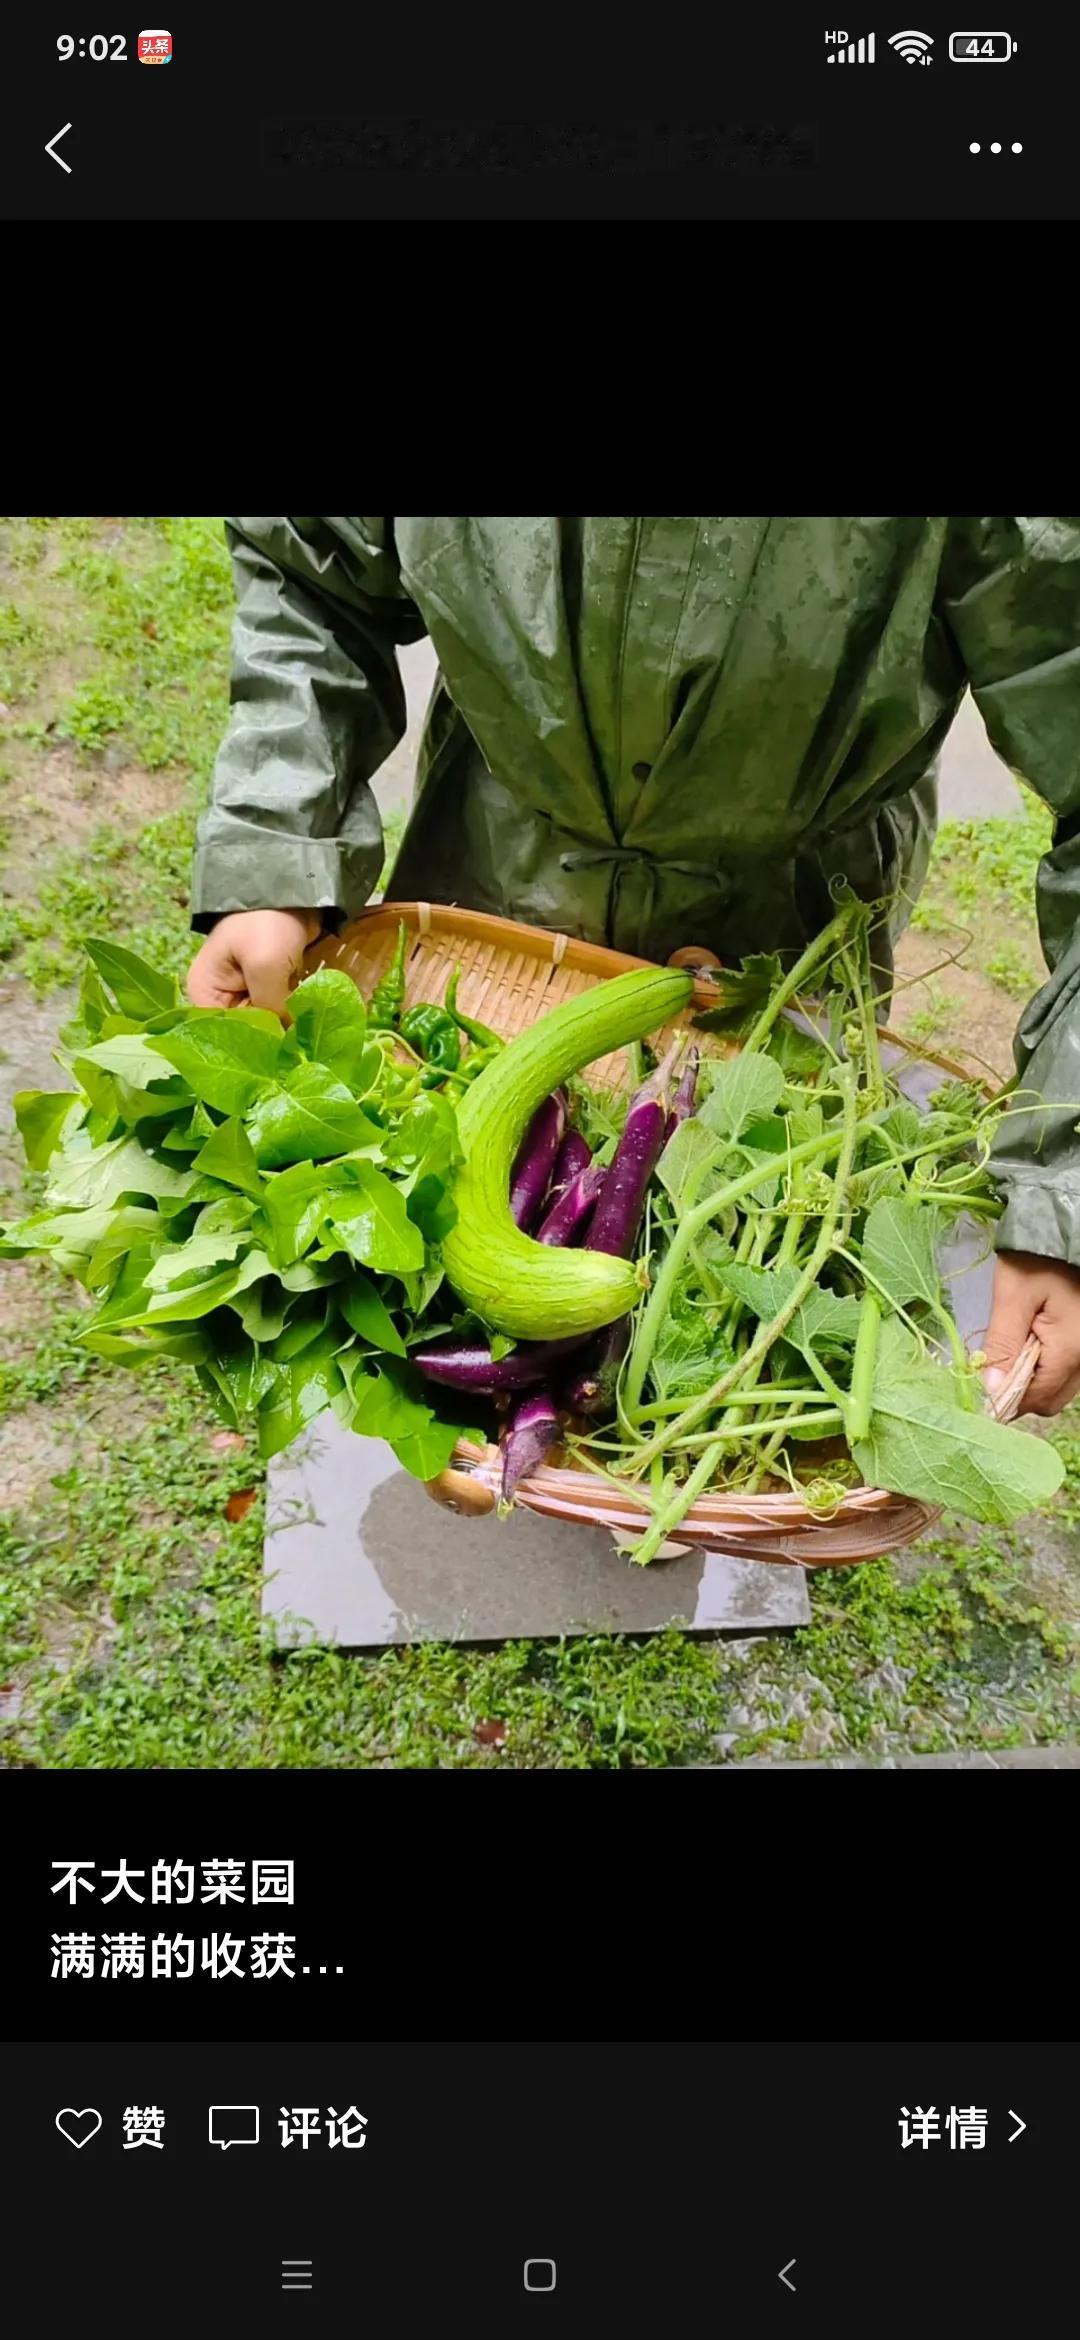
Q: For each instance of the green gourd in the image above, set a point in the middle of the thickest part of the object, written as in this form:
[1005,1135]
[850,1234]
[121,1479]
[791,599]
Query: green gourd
[518,1286]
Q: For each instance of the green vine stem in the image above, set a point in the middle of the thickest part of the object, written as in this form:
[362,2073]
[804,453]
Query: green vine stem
[826,1420]
[707,1403]
[656,1309]
[862,1370]
[764,1393]
[813,957]
[764,1464]
[680,1503]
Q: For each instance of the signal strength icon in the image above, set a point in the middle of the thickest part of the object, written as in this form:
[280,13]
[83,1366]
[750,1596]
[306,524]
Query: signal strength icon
[913,47]
[848,52]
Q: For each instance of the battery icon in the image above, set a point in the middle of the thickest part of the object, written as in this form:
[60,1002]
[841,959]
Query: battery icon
[981,48]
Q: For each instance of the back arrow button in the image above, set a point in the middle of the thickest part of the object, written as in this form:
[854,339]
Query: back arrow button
[52,146]
[785,2273]
[1020,2126]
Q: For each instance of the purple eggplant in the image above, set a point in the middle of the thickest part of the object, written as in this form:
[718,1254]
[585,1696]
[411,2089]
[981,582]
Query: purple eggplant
[535,1160]
[533,1431]
[574,1155]
[592,1390]
[615,1224]
[617,1216]
[682,1103]
[458,1365]
[533,1426]
[565,1222]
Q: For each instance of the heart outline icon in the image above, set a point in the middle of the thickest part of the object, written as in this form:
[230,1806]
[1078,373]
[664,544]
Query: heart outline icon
[87,2112]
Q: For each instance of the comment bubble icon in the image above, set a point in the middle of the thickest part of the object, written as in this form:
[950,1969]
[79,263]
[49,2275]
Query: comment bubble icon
[234,2124]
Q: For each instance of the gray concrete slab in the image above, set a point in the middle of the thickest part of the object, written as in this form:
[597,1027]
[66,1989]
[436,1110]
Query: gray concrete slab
[357,1554]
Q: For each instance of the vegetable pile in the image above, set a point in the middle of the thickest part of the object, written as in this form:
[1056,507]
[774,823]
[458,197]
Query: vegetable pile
[263,1204]
[731,1283]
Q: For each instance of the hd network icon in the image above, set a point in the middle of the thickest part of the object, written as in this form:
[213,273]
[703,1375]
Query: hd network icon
[155,48]
[843,50]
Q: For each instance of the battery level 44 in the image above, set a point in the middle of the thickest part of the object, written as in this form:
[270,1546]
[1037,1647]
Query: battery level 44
[981,48]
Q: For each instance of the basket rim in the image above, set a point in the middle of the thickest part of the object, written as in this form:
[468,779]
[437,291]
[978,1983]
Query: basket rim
[544,943]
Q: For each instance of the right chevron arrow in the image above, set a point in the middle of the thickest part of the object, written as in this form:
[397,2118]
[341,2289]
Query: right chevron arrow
[1020,2125]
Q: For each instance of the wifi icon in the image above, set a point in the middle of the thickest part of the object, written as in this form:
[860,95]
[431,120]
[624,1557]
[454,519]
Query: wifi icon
[913,47]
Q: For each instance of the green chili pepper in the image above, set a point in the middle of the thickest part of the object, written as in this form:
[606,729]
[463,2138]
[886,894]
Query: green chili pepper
[399,1086]
[433,1034]
[476,1032]
[475,1061]
[388,995]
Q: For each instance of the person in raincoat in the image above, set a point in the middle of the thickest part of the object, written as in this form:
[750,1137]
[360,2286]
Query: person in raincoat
[658,732]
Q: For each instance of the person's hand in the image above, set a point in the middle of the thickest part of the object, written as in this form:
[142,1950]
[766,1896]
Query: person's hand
[251,959]
[1040,1296]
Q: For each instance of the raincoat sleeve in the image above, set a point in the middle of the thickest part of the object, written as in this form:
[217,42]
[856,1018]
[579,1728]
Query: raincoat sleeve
[1011,600]
[317,706]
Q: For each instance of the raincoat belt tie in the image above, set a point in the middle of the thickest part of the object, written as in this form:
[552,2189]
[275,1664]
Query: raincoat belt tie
[623,857]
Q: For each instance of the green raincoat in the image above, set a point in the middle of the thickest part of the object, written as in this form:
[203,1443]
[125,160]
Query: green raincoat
[660,732]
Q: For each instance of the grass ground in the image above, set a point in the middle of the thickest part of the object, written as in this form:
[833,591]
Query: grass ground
[131,1524]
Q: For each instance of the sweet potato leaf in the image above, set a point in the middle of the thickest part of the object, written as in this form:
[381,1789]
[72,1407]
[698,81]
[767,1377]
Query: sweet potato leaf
[227,1154]
[309,1116]
[228,1056]
[329,1020]
[191,1261]
[135,1059]
[370,1220]
[363,1307]
[264,1309]
[310,1320]
[424,1142]
[101,1174]
[42,1117]
[145,1348]
[297,1392]
[93,1008]
[383,1406]
[138,989]
[133,1224]
[186,1136]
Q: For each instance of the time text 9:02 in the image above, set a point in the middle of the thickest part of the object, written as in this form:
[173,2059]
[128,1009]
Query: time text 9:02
[102,47]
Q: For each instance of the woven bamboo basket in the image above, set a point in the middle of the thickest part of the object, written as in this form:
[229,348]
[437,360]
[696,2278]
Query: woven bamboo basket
[510,975]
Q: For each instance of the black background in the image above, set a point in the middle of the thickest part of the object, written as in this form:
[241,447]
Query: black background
[669,2184]
[566,1905]
[330,114]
